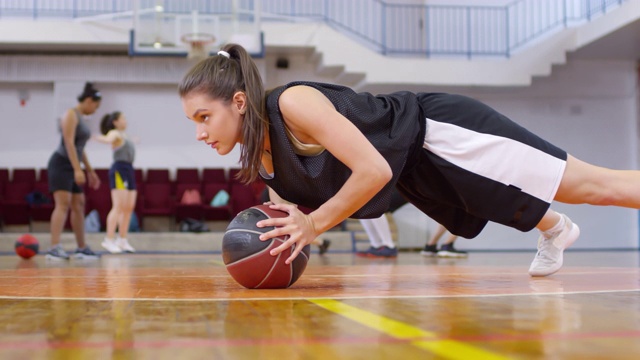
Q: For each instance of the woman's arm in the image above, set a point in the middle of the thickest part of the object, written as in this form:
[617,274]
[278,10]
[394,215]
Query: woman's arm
[112,137]
[94,180]
[313,119]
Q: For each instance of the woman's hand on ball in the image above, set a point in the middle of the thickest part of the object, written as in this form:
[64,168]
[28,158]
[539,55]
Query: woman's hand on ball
[298,226]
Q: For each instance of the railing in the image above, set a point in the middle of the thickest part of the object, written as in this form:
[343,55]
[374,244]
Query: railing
[391,29]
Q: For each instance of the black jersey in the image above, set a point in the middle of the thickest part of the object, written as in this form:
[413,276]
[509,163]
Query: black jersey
[459,161]
[393,123]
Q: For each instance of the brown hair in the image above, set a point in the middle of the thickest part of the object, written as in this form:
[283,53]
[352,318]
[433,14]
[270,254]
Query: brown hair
[220,77]
[106,124]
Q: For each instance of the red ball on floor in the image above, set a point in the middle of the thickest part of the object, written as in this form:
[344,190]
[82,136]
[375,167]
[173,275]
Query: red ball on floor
[27,246]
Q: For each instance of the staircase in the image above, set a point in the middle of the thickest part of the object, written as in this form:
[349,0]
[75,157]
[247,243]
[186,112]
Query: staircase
[353,64]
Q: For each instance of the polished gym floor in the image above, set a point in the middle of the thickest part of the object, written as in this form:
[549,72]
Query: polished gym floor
[343,307]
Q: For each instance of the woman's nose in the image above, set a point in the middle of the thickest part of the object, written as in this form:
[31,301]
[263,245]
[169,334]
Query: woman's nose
[200,134]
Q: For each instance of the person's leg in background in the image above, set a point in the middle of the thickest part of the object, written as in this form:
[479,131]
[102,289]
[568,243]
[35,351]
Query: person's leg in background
[380,237]
[446,249]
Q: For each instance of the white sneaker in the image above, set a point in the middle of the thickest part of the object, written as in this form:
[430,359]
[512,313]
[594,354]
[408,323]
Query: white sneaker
[111,246]
[548,260]
[123,244]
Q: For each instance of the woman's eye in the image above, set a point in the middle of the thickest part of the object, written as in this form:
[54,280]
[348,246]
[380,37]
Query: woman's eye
[205,118]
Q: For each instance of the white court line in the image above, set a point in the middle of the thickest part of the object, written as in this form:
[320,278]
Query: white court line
[318,297]
[438,275]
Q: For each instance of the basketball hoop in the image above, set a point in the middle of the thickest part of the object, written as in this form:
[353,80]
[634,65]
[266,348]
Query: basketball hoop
[199,44]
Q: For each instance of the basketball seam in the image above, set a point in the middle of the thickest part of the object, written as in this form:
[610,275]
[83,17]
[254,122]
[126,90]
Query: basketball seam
[269,216]
[254,254]
[245,230]
[270,271]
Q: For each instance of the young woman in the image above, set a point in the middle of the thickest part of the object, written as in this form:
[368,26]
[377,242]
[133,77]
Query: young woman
[66,176]
[122,181]
[328,148]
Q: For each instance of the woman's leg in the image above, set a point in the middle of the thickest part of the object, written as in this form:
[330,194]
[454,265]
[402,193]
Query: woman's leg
[77,218]
[126,208]
[372,233]
[77,223]
[118,197]
[383,231]
[436,236]
[113,218]
[62,201]
[450,240]
[584,183]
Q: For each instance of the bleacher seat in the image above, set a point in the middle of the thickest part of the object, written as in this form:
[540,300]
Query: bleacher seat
[187,176]
[215,213]
[24,175]
[213,175]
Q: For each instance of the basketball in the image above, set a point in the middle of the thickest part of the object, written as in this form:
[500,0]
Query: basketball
[247,258]
[27,246]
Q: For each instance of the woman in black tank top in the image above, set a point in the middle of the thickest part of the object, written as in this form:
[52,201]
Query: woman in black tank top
[456,159]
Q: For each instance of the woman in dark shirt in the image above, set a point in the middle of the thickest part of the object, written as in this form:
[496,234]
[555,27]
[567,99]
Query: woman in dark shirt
[66,176]
[341,153]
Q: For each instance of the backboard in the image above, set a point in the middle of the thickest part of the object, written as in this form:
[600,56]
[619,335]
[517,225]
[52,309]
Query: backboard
[192,32]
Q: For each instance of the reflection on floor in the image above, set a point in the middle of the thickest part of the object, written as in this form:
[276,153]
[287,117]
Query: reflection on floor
[344,306]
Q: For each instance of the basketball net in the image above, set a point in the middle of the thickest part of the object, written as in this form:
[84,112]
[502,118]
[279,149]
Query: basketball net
[197,50]
[199,45]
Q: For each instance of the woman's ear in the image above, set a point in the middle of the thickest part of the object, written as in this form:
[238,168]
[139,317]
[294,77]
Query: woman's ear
[240,101]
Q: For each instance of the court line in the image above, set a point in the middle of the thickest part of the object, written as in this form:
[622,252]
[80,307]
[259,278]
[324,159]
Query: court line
[5,297]
[446,348]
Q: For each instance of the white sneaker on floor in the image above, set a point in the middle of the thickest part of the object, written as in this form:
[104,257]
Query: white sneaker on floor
[123,245]
[549,258]
[111,246]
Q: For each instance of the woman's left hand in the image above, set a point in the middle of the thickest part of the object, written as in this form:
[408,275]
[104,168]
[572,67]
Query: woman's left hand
[94,180]
[297,225]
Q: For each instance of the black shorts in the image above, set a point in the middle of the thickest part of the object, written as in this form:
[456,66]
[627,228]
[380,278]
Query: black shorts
[122,176]
[61,175]
[476,166]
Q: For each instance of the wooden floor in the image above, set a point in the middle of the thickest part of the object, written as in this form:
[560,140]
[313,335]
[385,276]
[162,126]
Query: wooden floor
[343,307]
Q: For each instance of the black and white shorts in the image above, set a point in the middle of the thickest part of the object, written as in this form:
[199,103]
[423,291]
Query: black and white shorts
[477,166]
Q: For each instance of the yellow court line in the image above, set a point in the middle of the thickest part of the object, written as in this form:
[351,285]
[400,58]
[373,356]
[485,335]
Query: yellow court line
[448,349]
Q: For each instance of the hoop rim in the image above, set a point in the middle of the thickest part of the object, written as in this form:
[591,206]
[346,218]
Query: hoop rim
[198,38]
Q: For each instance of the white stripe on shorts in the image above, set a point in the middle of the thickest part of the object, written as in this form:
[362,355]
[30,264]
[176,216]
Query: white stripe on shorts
[498,158]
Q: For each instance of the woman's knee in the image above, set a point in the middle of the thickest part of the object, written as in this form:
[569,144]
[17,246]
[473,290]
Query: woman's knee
[78,203]
[62,201]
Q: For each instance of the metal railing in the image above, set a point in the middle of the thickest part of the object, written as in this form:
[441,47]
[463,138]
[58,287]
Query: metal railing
[391,29]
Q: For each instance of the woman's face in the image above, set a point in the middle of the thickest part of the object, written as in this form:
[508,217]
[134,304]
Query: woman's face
[88,106]
[120,123]
[218,123]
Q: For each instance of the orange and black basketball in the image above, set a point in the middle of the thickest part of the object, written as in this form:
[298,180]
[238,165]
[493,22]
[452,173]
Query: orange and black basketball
[27,246]
[247,258]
